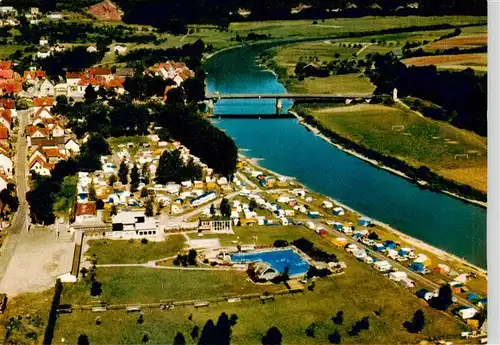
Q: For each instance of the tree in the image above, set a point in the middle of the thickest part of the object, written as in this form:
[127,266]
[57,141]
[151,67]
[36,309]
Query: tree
[223,330]
[191,258]
[92,192]
[225,208]
[90,94]
[99,204]
[123,172]
[134,179]
[338,319]
[169,167]
[212,210]
[444,299]
[84,272]
[145,173]
[253,205]
[179,339]
[417,323]
[112,179]
[144,192]
[114,210]
[145,338]
[208,335]
[83,339]
[149,207]
[95,289]
[273,337]
[233,319]
[195,332]
[334,338]
[310,330]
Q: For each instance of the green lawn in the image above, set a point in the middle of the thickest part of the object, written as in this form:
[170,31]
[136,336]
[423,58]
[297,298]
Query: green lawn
[149,285]
[136,141]
[358,293]
[133,251]
[423,141]
[9,49]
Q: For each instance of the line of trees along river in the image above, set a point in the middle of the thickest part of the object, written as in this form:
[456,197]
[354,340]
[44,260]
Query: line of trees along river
[288,148]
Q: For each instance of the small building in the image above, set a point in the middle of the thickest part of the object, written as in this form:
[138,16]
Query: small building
[203,199]
[216,225]
[264,271]
[43,41]
[467,313]
[119,49]
[382,266]
[134,224]
[397,276]
[86,212]
[92,49]
[72,147]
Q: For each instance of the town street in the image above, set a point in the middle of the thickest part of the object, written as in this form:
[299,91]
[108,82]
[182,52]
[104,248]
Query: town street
[20,220]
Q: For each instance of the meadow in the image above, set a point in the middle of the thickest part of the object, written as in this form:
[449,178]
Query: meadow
[412,138]
[134,251]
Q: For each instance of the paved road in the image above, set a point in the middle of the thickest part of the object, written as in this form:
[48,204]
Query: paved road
[21,220]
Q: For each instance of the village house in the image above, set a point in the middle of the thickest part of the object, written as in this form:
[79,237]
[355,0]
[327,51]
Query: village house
[10,86]
[6,118]
[5,163]
[86,212]
[45,102]
[43,41]
[46,88]
[8,10]
[8,104]
[3,181]
[92,49]
[43,53]
[216,225]
[33,76]
[41,167]
[72,147]
[119,49]
[4,137]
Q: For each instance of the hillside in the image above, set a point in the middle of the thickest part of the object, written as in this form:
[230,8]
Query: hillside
[106,10]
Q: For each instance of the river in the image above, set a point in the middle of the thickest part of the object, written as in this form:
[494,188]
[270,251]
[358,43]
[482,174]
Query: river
[288,148]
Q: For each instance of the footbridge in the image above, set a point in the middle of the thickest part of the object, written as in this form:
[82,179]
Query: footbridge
[306,97]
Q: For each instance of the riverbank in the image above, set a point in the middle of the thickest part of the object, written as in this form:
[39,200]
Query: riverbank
[423,176]
[378,164]
[442,254]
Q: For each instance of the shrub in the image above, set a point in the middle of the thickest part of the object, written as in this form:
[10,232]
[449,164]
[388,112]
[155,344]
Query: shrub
[144,241]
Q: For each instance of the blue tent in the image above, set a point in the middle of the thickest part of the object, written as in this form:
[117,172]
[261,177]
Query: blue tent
[378,247]
[389,244]
[417,267]
[403,252]
[483,301]
[364,221]
[338,226]
[472,297]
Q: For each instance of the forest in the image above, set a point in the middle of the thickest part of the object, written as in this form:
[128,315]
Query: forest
[173,15]
[461,95]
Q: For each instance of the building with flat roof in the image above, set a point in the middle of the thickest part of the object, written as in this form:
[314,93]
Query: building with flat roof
[134,224]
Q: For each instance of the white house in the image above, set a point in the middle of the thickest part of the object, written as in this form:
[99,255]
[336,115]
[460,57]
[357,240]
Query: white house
[57,131]
[40,167]
[43,113]
[46,88]
[55,16]
[43,41]
[134,224]
[86,212]
[3,182]
[119,49]
[72,146]
[42,54]
[92,49]
[5,163]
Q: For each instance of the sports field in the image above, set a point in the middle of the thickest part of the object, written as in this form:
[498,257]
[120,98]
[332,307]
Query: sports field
[414,139]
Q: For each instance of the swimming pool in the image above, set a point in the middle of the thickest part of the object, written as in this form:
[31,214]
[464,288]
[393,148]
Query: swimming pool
[278,259]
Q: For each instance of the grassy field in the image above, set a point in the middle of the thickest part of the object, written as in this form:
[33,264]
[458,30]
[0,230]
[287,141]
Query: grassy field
[422,141]
[30,306]
[478,61]
[149,285]
[358,293]
[133,251]
[136,141]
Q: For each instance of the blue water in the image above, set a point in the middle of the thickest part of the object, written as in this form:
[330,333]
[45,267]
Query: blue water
[277,259]
[288,148]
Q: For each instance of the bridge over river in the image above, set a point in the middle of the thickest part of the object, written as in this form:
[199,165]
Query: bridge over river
[344,98]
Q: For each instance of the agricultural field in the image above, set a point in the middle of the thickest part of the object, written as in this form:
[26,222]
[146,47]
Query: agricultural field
[134,251]
[477,61]
[414,139]
[461,41]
